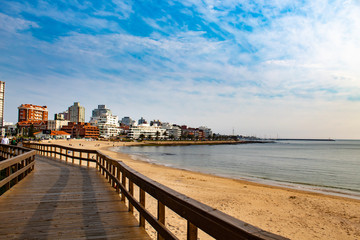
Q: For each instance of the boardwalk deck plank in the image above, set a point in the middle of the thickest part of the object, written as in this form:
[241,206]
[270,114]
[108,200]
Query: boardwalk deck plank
[65,201]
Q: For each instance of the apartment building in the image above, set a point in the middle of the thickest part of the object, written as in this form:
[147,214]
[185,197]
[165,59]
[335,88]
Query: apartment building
[56,125]
[2,99]
[81,130]
[30,113]
[97,112]
[76,113]
[172,131]
[107,123]
[153,132]
[127,121]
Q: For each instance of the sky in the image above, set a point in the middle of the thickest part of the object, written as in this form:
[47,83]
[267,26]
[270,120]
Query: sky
[282,68]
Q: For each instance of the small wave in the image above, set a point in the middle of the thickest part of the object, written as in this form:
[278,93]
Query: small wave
[168,154]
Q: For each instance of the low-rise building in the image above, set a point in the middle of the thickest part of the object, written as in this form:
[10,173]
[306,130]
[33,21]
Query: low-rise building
[10,129]
[62,116]
[56,125]
[25,127]
[48,134]
[172,131]
[81,130]
[147,131]
[207,132]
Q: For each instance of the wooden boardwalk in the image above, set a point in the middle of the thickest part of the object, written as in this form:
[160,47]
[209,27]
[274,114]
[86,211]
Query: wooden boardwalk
[64,201]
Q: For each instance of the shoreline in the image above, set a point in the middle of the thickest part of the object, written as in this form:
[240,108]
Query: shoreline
[292,213]
[306,188]
[190,143]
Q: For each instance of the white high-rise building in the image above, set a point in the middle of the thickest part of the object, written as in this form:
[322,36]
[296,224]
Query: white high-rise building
[127,121]
[101,110]
[108,124]
[2,97]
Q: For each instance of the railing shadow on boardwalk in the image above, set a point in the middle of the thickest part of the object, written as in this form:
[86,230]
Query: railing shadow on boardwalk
[60,200]
[122,178]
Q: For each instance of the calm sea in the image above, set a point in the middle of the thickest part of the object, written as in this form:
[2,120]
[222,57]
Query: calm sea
[326,166]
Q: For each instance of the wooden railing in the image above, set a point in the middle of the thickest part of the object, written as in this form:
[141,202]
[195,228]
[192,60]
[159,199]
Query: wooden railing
[121,177]
[17,164]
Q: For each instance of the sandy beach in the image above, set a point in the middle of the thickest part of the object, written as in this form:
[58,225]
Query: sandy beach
[288,212]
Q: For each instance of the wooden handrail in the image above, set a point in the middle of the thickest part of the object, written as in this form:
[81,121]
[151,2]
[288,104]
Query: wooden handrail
[198,215]
[19,163]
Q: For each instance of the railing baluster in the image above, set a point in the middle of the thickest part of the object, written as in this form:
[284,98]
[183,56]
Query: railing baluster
[118,178]
[131,191]
[73,157]
[161,217]
[192,231]
[113,173]
[123,181]
[142,202]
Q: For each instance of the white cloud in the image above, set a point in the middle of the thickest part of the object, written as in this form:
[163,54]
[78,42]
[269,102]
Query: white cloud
[13,24]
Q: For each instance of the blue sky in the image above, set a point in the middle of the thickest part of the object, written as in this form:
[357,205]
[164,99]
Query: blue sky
[279,68]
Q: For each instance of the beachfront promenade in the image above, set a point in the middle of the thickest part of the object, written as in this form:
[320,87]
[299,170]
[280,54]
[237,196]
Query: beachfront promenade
[63,193]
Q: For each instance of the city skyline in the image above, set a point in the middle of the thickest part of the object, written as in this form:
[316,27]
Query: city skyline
[267,69]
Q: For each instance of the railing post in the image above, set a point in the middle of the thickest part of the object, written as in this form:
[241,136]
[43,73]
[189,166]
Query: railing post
[80,157]
[31,160]
[7,173]
[142,202]
[73,157]
[66,155]
[161,217]
[88,157]
[131,191]
[15,170]
[192,231]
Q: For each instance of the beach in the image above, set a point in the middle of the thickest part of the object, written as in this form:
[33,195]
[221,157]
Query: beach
[291,213]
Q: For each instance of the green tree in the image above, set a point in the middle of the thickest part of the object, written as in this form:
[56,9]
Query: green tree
[165,134]
[142,136]
[157,135]
[31,130]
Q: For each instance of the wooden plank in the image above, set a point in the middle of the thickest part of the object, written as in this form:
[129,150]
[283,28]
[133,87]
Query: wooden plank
[61,201]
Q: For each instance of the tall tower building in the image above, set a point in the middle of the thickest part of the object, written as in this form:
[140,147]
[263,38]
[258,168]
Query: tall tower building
[2,97]
[76,113]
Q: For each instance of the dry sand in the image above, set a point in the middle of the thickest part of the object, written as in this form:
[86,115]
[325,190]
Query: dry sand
[291,213]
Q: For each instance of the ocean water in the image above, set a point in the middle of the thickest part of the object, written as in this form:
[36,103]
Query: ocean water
[326,166]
